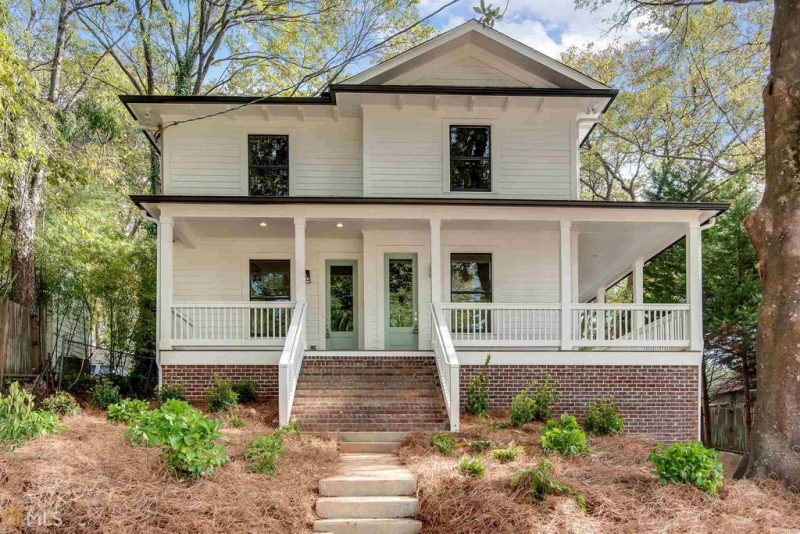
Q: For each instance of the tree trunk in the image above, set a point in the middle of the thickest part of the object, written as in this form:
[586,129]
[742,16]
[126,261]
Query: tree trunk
[25,205]
[748,401]
[58,53]
[774,228]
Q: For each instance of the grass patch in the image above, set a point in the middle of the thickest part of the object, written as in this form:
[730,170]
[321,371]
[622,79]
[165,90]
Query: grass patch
[509,453]
[471,466]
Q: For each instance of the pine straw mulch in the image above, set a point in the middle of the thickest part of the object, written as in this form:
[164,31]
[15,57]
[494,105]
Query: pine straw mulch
[621,493]
[96,481]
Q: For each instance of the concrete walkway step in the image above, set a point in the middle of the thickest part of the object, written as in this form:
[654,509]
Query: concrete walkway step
[368,446]
[368,526]
[371,436]
[369,475]
[366,507]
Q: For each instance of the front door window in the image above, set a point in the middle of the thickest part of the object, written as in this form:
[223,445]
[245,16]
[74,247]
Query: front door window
[341,329]
[401,301]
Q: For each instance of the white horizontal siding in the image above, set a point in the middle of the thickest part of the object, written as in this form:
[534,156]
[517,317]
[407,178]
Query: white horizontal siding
[470,71]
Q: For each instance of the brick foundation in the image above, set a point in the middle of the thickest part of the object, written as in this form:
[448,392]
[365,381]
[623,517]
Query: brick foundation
[660,401]
[197,378]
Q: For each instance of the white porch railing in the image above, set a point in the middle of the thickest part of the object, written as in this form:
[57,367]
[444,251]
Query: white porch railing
[291,360]
[630,325]
[230,323]
[496,324]
[447,365]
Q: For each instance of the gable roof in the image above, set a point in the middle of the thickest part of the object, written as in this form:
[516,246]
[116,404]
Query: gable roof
[553,73]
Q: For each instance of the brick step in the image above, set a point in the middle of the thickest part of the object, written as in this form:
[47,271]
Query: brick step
[366,408]
[372,426]
[375,393]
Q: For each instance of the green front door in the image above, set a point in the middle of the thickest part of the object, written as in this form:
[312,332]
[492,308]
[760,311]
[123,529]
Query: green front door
[400,271]
[341,330]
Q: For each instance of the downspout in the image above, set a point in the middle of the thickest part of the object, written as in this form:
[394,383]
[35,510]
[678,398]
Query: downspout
[155,221]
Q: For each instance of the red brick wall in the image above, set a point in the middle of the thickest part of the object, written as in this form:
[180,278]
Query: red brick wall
[197,378]
[660,401]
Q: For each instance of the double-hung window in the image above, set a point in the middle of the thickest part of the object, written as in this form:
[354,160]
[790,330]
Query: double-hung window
[471,281]
[270,280]
[268,165]
[470,158]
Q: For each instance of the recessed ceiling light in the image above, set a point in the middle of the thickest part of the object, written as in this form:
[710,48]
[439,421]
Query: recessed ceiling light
[339,225]
[262,224]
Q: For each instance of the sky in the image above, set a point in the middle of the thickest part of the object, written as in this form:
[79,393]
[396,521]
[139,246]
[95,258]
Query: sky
[549,26]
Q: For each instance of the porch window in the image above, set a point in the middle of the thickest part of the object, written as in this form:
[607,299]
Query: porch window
[270,280]
[470,158]
[471,281]
[268,165]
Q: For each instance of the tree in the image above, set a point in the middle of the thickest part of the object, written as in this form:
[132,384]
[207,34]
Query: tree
[774,230]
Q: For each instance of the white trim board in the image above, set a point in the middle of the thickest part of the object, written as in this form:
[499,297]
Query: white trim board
[220,357]
[632,358]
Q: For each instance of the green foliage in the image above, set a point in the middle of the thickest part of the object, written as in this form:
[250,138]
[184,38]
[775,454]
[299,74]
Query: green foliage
[246,390]
[564,436]
[538,482]
[471,466]
[443,442]
[104,395]
[603,419]
[688,463]
[220,396]
[127,411]
[234,421]
[533,403]
[187,438]
[291,428]
[478,391]
[19,421]
[489,14]
[507,454]
[264,451]
[171,391]
[479,445]
[61,403]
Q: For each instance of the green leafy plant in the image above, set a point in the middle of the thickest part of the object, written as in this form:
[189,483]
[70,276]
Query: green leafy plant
[171,391]
[127,411]
[188,438]
[688,463]
[443,442]
[478,391]
[603,419]
[471,466]
[220,396]
[291,428]
[533,403]
[536,483]
[478,445]
[19,421]
[234,421]
[61,403]
[246,390]
[104,395]
[264,451]
[507,454]
[564,436]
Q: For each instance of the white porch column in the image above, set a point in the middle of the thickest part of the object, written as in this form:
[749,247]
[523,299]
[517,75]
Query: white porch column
[566,285]
[694,284]
[300,259]
[436,260]
[637,275]
[600,298]
[165,233]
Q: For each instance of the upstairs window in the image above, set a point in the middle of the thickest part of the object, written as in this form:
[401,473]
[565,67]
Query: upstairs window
[470,158]
[268,165]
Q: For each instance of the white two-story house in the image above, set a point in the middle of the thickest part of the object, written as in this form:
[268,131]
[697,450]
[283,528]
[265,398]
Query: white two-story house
[359,253]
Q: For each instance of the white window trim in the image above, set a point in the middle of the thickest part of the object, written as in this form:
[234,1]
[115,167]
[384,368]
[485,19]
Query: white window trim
[244,157]
[285,256]
[477,121]
[449,250]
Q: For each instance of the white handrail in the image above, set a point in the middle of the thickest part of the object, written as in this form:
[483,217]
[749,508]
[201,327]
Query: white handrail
[258,323]
[630,325]
[447,365]
[291,360]
[485,324]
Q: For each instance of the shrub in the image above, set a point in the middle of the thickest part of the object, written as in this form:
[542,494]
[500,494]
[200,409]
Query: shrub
[564,437]
[220,396]
[536,483]
[171,391]
[104,395]
[19,421]
[234,421]
[471,466]
[508,454]
[264,451]
[478,445]
[60,403]
[536,406]
[292,428]
[602,419]
[127,411]
[478,391]
[443,442]
[245,390]
[186,436]
[688,463]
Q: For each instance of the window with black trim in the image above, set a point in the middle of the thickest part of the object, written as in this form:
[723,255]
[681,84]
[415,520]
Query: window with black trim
[470,158]
[268,165]
[471,281]
[270,280]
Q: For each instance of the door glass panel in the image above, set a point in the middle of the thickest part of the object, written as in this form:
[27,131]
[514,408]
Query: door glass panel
[342,305]
[401,293]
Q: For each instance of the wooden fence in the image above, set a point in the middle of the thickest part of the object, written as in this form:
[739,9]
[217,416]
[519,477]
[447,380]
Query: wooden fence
[728,427]
[17,355]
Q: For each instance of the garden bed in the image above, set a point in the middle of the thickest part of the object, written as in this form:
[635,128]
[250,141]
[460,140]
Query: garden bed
[621,493]
[91,478]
